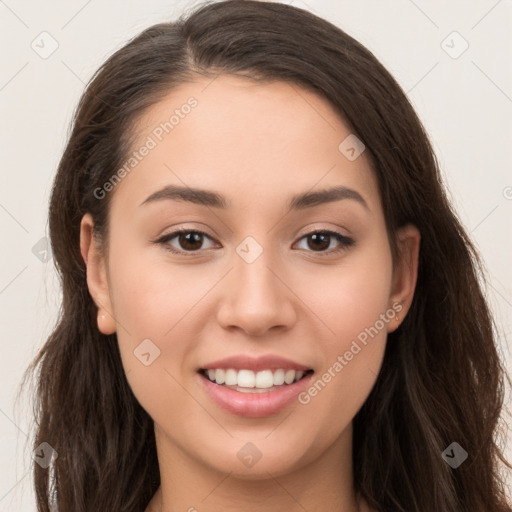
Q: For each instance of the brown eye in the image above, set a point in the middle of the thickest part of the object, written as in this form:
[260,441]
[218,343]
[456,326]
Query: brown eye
[319,241]
[184,241]
[326,242]
[190,241]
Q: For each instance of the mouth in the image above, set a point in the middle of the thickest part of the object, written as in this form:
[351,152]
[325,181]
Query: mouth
[248,381]
[254,387]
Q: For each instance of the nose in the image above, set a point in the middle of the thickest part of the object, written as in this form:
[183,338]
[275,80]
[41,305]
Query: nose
[256,298]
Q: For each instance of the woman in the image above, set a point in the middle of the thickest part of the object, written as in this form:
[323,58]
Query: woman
[268,302]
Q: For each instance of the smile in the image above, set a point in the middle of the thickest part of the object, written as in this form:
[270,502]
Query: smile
[248,381]
[254,394]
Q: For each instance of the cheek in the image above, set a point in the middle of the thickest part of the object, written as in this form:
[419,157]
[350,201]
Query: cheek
[353,303]
[151,305]
[351,296]
[149,293]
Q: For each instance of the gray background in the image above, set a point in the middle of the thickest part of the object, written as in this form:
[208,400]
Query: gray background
[463,97]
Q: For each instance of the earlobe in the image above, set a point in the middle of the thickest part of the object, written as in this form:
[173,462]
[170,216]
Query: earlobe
[97,281]
[405,273]
[106,323]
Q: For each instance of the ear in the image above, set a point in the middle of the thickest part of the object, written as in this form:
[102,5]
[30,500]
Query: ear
[97,280]
[405,273]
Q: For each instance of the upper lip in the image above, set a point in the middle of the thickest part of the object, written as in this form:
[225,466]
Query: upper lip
[245,362]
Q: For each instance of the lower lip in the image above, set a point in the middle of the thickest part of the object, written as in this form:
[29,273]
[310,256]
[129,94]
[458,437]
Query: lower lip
[254,405]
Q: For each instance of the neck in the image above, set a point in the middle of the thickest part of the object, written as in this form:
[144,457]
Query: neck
[322,483]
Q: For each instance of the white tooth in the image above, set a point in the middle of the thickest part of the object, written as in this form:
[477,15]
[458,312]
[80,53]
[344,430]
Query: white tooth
[264,379]
[252,390]
[220,376]
[231,377]
[246,379]
[278,377]
[289,376]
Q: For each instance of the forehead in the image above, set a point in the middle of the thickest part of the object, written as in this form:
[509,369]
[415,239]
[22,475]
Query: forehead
[244,138]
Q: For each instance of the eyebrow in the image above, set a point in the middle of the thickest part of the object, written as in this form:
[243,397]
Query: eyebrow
[216,200]
[188,194]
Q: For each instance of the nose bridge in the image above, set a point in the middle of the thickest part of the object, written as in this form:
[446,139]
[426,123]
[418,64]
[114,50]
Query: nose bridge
[254,298]
[254,281]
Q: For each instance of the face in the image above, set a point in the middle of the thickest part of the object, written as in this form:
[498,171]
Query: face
[268,272]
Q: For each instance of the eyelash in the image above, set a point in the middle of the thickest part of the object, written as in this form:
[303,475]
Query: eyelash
[345,241]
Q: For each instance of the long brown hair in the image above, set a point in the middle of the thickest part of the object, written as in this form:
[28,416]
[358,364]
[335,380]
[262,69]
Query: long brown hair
[441,379]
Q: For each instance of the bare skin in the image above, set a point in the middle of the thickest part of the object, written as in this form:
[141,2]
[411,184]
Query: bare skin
[257,145]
